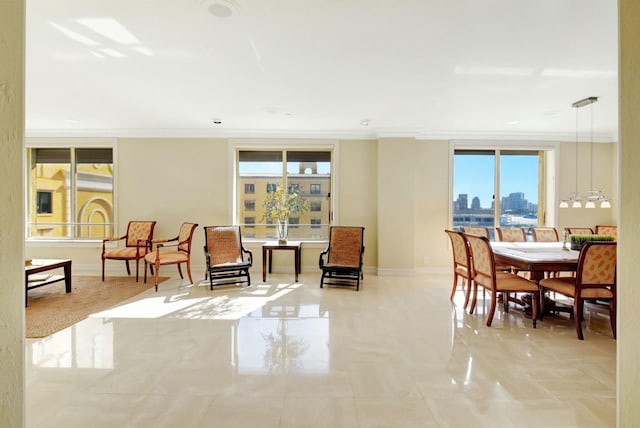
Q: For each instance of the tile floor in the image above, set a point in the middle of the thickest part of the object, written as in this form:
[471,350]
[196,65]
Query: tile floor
[282,354]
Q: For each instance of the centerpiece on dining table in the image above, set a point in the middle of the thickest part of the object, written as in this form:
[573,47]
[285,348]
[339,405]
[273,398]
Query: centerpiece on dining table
[281,204]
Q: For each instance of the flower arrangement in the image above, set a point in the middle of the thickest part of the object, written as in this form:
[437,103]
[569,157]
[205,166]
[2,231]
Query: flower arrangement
[280,204]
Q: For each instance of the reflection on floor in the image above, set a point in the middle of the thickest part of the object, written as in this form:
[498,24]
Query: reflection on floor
[397,353]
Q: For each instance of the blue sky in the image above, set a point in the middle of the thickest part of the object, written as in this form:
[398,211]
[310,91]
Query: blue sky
[474,175]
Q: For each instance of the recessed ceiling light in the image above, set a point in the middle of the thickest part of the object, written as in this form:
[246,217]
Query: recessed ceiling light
[513,122]
[216,121]
[365,122]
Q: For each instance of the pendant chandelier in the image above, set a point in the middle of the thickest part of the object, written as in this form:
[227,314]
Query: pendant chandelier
[589,198]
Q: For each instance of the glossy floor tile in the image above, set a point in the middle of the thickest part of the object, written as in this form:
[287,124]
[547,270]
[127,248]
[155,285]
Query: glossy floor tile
[281,354]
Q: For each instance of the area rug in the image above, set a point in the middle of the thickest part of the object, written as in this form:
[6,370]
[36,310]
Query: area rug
[50,309]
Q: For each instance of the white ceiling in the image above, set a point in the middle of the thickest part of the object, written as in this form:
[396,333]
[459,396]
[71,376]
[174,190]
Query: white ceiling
[424,68]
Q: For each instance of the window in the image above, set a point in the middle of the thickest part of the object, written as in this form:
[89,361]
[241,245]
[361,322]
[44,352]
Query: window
[250,222]
[315,206]
[496,188]
[78,200]
[315,223]
[297,170]
[271,187]
[43,202]
[249,188]
[250,205]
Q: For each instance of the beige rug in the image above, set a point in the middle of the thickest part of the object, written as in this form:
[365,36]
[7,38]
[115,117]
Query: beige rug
[51,309]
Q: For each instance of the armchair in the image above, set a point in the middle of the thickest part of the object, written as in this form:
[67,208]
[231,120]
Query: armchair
[344,257]
[181,254]
[225,256]
[136,240]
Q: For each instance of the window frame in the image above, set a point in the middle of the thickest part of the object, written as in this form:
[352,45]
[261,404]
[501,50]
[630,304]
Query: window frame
[68,143]
[547,173]
[330,145]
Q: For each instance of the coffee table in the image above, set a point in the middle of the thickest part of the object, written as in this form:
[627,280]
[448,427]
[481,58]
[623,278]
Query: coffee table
[39,266]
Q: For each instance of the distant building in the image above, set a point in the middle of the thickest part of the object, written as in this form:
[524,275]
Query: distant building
[475,203]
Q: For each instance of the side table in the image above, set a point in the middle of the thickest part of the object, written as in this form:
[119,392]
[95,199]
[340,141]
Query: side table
[267,255]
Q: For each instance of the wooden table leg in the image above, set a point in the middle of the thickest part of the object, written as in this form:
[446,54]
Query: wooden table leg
[67,277]
[264,265]
[297,262]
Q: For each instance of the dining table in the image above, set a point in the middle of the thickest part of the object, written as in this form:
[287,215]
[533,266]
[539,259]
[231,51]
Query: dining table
[537,258]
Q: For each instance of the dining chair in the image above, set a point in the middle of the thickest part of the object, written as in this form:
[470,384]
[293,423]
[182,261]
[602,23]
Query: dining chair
[595,279]
[545,234]
[578,230]
[484,274]
[225,256]
[511,234]
[484,231]
[461,264]
[480,231]
[343,264]
[139,233]
[607,230]
[163,256]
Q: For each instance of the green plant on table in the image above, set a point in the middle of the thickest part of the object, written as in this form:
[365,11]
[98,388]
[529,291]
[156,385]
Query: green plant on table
[577,241]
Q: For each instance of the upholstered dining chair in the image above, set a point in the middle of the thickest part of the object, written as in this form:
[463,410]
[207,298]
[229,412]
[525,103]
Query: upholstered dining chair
[225,255]
[545,234]
[607,230]
[579,230]
[461,264]
[595,279]
[480,231]
[139,233]
[343,264]
[484,274]
[163,254]
[511,234]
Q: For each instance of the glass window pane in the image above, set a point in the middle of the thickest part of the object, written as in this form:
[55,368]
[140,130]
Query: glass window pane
[473,189]
[519,174]
[94,193]
[259,173]
[51,174]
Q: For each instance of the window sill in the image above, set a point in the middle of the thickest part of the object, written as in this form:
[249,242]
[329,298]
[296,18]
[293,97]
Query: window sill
[90,243]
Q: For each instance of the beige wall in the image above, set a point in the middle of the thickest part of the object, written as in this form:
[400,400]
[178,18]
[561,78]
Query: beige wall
[358,192]
[11,214]
[628,250]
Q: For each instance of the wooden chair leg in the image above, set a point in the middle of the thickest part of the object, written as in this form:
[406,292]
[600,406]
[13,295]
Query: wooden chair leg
[577,314]
[189,272]
[126,262]
[180,271]
[492,309]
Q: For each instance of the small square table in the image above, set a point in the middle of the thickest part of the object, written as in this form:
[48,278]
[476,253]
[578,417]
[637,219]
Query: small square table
[44,265]
[267,255]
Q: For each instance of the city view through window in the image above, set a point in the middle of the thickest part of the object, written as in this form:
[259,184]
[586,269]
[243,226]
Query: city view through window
[475,188]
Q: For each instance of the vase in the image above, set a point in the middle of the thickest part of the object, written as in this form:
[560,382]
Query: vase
[282,230]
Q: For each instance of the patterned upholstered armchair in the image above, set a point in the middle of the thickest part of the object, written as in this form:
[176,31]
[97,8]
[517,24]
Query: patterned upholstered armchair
[225,254]
[511,234]
[607,230]
[166,254]
[136,240]
[595,280]
[343,265]
[545,234]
